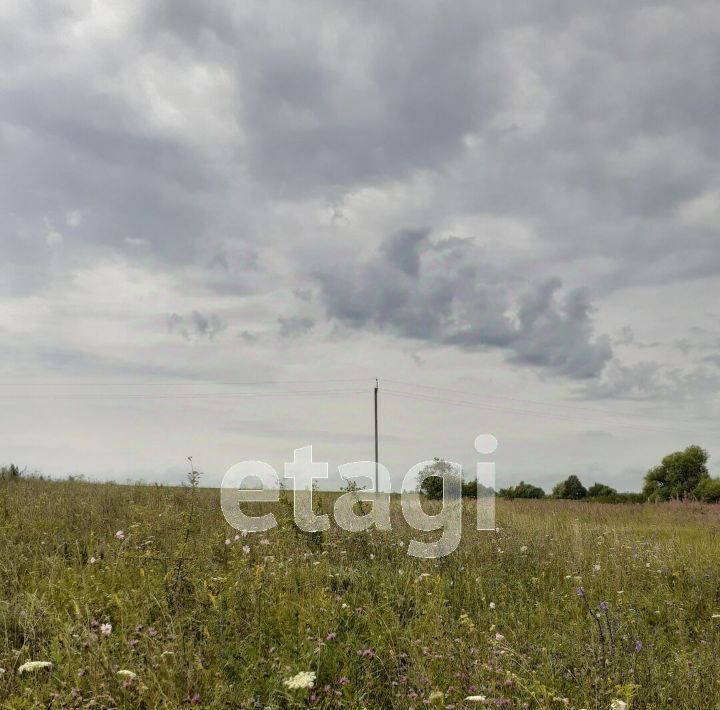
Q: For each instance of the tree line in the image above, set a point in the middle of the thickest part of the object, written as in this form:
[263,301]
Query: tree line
[681,475]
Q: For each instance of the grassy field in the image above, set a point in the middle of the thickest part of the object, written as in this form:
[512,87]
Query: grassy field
[565,605]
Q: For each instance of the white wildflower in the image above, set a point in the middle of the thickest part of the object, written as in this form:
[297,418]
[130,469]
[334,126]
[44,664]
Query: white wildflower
[106,629]
[524,548]
[618,705]
[475,699]
[120,534]
[124,673]
[32,666]
[246,549]
[596,567]
[301,681]
[492,605]
[92,561]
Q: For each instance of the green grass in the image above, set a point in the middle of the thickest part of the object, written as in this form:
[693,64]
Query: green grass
[212,624]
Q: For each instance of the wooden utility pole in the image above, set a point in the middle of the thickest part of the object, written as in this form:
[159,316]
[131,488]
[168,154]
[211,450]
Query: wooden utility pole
[376,438]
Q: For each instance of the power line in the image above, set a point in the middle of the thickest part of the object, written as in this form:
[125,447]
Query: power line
[193,395]
[484,405]
[182,384]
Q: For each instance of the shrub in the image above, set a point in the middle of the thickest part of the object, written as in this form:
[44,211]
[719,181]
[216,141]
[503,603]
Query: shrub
[570,488]
[522,490]
[708,490]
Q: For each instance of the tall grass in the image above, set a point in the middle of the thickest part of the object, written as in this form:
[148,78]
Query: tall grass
[565,605]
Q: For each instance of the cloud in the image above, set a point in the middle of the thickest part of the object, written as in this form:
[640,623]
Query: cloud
[294,326]
[437,291]
[196,325]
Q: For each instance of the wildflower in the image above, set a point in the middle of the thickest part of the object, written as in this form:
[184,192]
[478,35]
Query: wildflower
[196,699]
[580,591]
[618,705]
[133,642]
[152,631]
[301,681]
[366,653]
[596,567]
[227,541]
[264,541]
[475,699]
[129,675]
[120,534]
[236,538]
[492,605]
[92,561]
[331,636]
[524,548]
[32,666]
[246,549]
[604,606]
[499,637]
[106,629]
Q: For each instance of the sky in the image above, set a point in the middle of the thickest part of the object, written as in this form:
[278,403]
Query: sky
[221,221]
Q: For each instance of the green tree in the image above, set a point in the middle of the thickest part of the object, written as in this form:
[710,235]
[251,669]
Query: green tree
[600,490]
[522,490]
[570,488]
[678,475]
[708,490]
[439,469]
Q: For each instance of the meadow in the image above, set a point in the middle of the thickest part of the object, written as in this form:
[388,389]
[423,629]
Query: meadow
[144,597]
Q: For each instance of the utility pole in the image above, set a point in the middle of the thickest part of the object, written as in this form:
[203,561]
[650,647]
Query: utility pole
[376,438]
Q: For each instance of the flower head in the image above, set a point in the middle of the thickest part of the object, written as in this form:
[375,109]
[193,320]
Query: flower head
[580,591]
[32,666]
[604,606]
[475,699]
[120,534]
[124,673]
[618,705]
[301,681]
[106,629]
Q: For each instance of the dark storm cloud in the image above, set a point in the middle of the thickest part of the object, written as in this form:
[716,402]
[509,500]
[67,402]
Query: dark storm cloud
[438,292]
[187,132]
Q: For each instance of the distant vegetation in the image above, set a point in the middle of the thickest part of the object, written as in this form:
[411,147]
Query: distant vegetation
[682,475]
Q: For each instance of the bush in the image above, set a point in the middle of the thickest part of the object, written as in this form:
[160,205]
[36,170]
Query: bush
[570,488]
[522,490]
[708,490]
[11,471]
[600,490]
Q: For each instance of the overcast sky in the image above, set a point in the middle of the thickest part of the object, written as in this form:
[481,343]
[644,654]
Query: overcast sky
[508,212]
